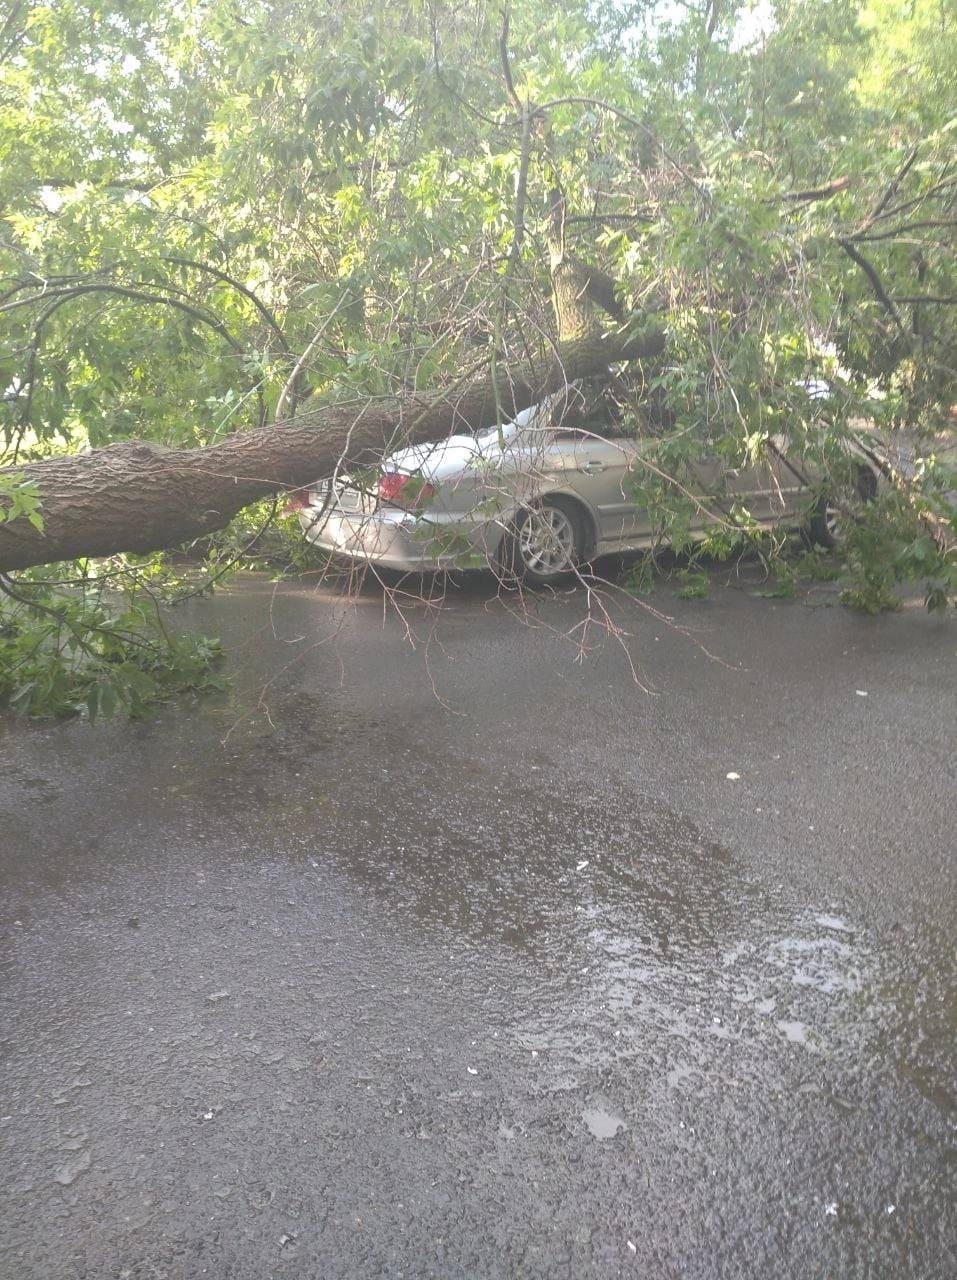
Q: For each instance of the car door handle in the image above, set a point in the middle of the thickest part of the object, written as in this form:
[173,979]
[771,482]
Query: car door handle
[592,467]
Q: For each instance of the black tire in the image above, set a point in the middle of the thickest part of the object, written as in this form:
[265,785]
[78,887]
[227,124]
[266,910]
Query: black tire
[828,526]
[544,544]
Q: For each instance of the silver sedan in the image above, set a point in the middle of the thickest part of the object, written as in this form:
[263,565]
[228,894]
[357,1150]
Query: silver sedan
[540,495]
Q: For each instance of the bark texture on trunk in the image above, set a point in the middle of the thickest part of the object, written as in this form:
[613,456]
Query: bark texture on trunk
[580,293]
[141,497]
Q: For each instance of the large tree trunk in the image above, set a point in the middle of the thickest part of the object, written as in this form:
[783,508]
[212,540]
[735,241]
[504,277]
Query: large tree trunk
[580,293]
[142,497]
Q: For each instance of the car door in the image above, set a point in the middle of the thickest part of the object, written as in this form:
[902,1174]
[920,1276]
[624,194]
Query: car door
[795,477]
[598,469]
[759,487]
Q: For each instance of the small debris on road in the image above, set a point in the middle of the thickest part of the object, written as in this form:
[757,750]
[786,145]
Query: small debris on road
[732,776]
[71,1169]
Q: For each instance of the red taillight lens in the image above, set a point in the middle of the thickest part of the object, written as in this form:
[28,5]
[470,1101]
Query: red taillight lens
[404,491]
[297,501]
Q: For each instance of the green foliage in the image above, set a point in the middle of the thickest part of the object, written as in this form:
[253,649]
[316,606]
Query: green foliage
[783,587]
[74,651]
[816,565]
[640,577]
[20,499]
[889,545]
[695,585]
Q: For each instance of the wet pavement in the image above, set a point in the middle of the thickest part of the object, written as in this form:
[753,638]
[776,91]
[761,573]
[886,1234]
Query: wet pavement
[441,948]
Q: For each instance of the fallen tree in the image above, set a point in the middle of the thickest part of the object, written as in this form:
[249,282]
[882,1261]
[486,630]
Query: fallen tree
[140,497]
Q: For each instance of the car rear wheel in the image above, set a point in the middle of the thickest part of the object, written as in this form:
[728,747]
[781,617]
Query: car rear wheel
[544,544]
[832,516]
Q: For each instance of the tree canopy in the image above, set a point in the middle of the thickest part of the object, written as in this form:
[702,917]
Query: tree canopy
[217,215]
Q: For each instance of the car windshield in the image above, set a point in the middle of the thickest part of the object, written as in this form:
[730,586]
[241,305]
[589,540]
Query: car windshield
[489,435]
[536,416]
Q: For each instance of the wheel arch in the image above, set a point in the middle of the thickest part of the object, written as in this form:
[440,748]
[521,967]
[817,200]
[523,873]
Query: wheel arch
[866,482]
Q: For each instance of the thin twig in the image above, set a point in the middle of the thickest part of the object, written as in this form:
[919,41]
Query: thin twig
[289,391]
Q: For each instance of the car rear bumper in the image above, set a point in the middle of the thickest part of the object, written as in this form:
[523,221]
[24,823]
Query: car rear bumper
[396,539]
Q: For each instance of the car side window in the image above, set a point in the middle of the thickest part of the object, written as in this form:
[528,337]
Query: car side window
[582,420]
[596,431]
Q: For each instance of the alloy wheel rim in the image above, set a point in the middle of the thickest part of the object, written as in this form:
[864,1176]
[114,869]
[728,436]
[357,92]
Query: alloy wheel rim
[832,521]
[547,542]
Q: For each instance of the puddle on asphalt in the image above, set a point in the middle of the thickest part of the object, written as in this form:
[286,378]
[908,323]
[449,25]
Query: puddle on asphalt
[795,1032]
[833,922]
[601,1122]
[772,999]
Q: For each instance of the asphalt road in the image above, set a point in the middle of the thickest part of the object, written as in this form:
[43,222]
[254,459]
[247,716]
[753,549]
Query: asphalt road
[443,948]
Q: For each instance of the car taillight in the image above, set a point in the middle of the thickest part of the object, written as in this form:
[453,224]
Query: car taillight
[404,491]
[297,501]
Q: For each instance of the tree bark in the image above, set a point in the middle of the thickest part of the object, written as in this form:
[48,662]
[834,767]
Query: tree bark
[579,292]
[141,497]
